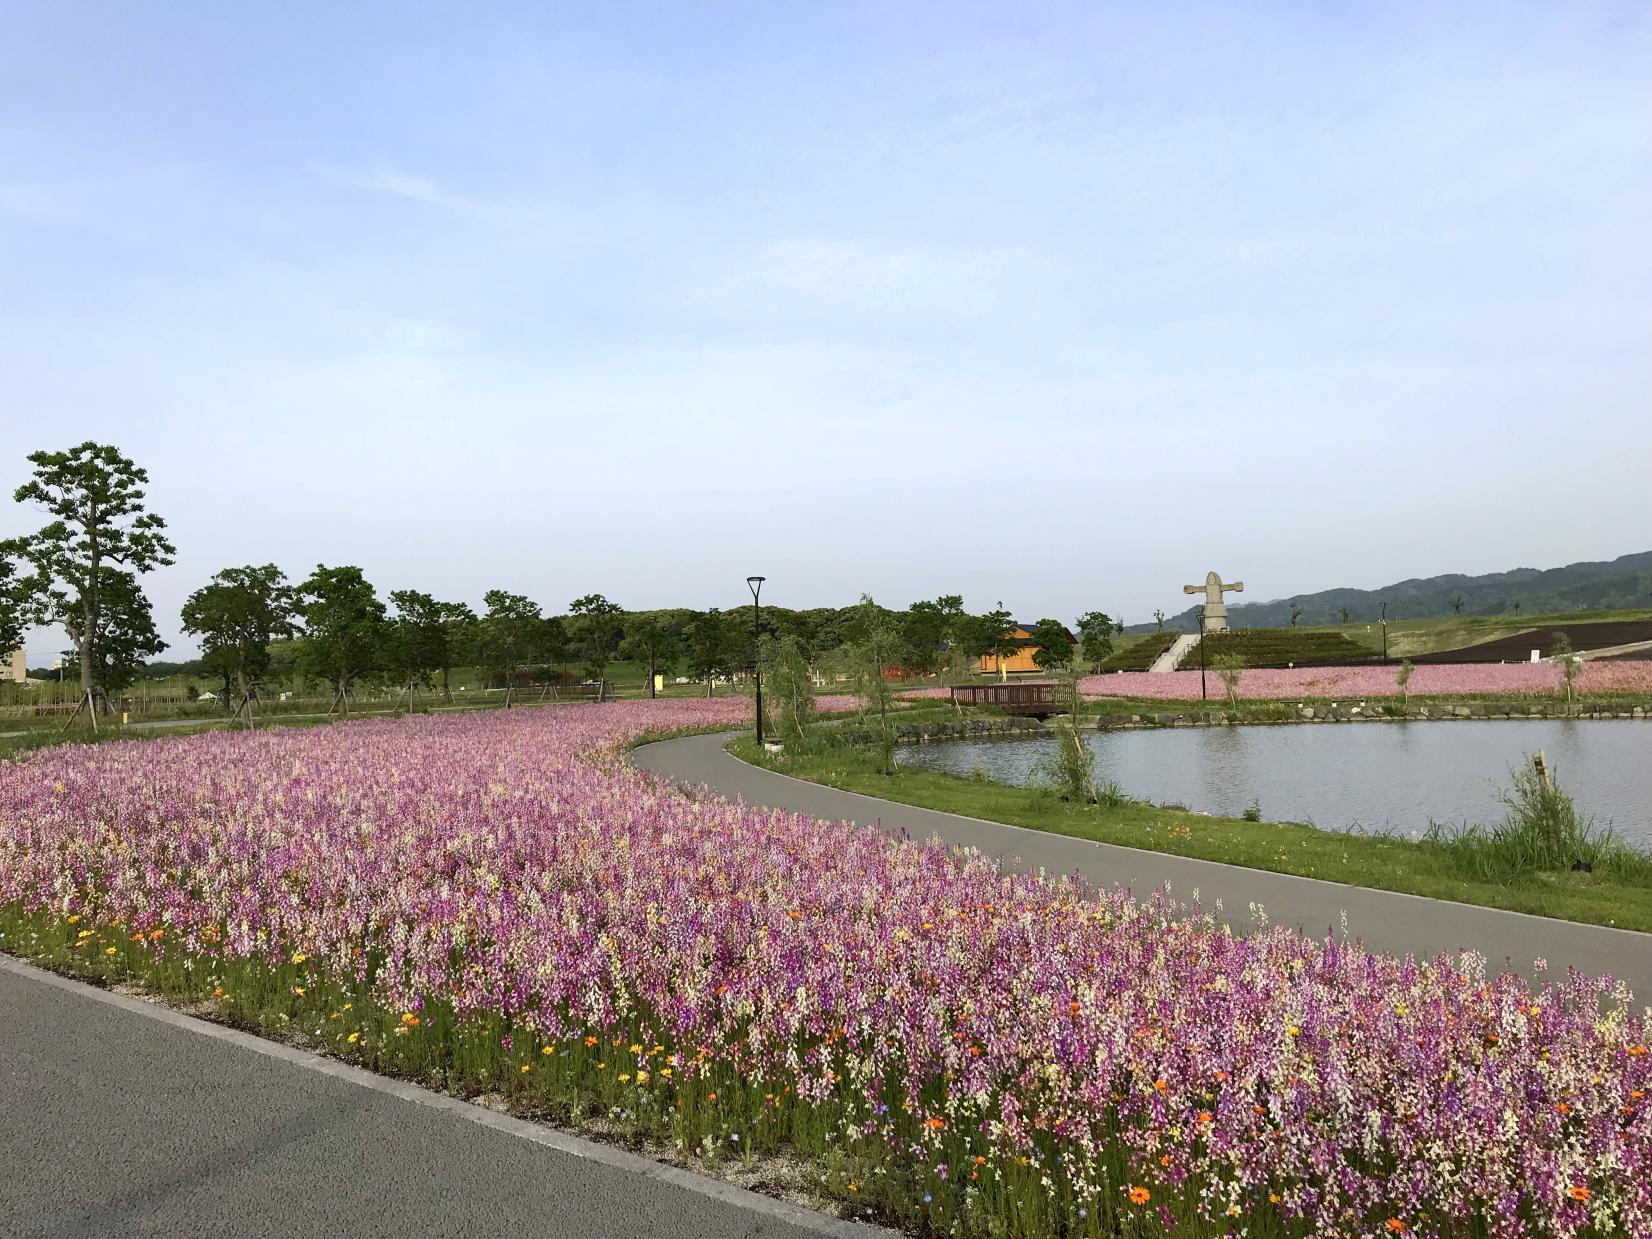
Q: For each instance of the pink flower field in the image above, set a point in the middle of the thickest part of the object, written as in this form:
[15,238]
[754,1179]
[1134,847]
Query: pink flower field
[1428,680]
[976,1052]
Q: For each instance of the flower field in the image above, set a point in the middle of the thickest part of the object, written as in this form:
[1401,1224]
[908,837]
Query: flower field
[1441,680]
[498,900]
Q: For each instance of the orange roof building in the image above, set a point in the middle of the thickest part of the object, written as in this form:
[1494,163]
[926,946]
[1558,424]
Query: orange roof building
[1021,662]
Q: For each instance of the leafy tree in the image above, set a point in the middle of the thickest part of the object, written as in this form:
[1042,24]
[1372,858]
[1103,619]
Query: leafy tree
[791,684]
[344,629]
[923,637]
[710,646]
[95,498]
[1570,664]
[1095,637]
[16,599]
[877,645]
[1296,614]
[418,644]
[1457,604]
[236,615]
[128,640]
[552,642]
[652,644]
[511,622]
[1230,668]
[1002,644]
[1402,679]
[1345,614]
[458,643]
[1052,649]
[1517,606]
[1158,618]
[599,627]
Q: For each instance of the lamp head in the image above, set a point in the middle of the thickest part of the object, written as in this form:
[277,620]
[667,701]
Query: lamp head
[756,583]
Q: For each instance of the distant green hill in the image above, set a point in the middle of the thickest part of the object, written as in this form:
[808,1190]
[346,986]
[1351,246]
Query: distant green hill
[1619,584]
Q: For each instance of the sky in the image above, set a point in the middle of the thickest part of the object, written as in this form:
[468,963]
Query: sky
[1059,305]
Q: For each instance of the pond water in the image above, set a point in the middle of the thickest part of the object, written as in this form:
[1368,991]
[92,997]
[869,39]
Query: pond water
[1395,776]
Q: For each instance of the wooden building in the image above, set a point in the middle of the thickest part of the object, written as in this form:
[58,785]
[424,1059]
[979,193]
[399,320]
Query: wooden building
[1021,662]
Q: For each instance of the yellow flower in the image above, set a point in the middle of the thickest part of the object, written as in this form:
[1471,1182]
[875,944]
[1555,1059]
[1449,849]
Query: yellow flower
[625,1077]
[636,1049]
[299,957]
[642,1077]
[74,918]
[353,1038]
[109,950]
[526,1068]
[299,990]
[547,1050]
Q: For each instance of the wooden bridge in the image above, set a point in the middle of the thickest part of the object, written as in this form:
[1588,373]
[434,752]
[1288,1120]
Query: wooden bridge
[1037,700]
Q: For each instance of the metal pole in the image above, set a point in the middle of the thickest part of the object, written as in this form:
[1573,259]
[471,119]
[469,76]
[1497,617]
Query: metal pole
[756,584]
[1204,694]
[1385,633]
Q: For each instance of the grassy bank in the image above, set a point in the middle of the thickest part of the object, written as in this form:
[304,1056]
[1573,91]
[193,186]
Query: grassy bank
[1493,868]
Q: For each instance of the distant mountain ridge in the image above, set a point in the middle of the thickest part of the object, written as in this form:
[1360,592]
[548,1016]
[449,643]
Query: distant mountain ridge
[1590,585]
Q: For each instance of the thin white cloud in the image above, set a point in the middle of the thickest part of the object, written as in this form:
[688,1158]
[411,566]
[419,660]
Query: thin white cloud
[385,179]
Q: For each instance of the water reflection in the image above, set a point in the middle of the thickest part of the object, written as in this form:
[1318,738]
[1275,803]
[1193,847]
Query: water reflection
[1395,776]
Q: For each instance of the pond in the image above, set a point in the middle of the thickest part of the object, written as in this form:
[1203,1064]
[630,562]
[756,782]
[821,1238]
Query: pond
[1392,776]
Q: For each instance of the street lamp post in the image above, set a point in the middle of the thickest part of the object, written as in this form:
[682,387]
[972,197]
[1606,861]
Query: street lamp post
[1385,634]
[756,585]
[1204,694]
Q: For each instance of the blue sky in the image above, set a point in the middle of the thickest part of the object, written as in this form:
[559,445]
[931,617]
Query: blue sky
[1060,305]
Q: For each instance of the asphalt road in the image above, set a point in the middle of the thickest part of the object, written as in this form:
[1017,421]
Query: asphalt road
[1385,921]
[117,1121]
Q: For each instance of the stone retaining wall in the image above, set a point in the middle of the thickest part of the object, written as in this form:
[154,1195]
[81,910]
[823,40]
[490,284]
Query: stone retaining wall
[1279,714]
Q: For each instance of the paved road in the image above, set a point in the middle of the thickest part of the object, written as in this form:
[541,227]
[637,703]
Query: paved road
[1400,924]
[114,1122]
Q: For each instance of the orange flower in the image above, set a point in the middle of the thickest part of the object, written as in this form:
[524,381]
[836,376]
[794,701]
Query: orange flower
[1164,1159]
[1635,1051]
[1204,1116]
[980,1161]
[1395,1226]
[1140,1195]
[1579,1193]
[935,1124]
[1072,1008]
[711,1096]
[1161,1086]
[1562,1108]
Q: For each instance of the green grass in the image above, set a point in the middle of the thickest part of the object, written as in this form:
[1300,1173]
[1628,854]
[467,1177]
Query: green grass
[1446,865]
[1138,653]
[1275,647]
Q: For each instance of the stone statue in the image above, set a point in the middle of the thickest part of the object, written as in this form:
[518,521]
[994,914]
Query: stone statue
[1215,610]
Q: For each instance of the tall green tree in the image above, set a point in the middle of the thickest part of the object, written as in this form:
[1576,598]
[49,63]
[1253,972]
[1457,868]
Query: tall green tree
[877,645]
[1053,649]
[236,615]
[344,629]
[711,646]
[509,625]
[923,637]
[786,667]
[599,627]
[651,643]
[1095,638]
[95,499]
[17,593]
[459,634]
[1002,644]
[128,639]
[418,640]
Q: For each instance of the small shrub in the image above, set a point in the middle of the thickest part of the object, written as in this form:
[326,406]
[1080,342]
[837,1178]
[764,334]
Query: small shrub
[1253,813]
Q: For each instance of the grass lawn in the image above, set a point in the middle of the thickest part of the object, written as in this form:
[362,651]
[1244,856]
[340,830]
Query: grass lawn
[1616,894]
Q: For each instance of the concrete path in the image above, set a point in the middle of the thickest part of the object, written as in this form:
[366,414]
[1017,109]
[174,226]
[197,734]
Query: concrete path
[119,1118]
[1385,921]
[1172,658]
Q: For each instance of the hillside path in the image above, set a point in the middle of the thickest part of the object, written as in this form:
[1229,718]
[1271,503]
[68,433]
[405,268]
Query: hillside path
[1386,921]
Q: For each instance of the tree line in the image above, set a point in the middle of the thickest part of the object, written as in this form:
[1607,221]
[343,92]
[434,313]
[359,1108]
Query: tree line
[82,571]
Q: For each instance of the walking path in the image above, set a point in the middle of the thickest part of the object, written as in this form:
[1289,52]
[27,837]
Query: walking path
[1172,658]
[118,1117]
[1384,920]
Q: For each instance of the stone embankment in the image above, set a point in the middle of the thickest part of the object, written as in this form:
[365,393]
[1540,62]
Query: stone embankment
[1277,714]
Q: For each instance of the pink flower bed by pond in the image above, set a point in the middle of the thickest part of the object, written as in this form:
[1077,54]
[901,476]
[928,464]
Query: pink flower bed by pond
[972,1025]
[1445,679]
